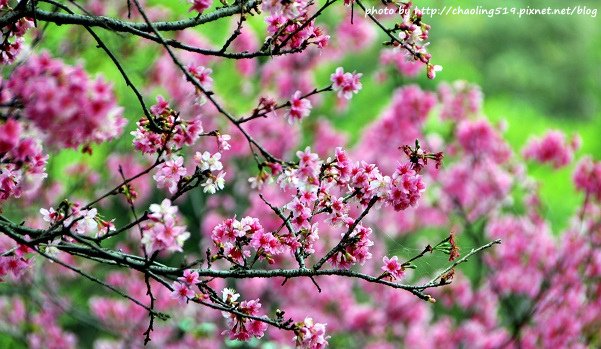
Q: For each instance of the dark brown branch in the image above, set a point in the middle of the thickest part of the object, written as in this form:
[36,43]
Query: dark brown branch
[118,25]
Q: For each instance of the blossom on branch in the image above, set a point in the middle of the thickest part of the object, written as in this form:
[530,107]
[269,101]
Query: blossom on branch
[300,108]
[393,267]
[163,232]
[346,84]
[65,103]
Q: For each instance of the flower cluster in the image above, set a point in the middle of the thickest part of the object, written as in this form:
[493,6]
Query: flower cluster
[182,288]
[22,162]
[400,123]
[413,36]
[459,100]
[82,222]
[163,231]
[405,187]
[12,38]
[552,148]
[16,264]
[170,173]
[327,188]
[286,26]
[234,239]
[345,84]
[209,163]
[311,335]
[173,134]
[401,60]
[65,103]
[356,250]
[240,326]
[479,139]
[79,221]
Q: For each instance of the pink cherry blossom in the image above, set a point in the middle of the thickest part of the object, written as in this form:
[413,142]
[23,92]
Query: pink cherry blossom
[200,5]
[182,292]
[300,108]
[240,328]
[587,177]
[345,84]
[460,100]
[311,335]
[202,74]
[164,231]
[189,277]
[393,267]
[170,173]
[552,148]
[14,265]
[65,103]
[10,133]
[13,34]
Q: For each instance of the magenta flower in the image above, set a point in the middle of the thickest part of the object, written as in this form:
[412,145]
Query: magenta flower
[241,328]
[200,5]
[552,148]
[70,107]
[393,267]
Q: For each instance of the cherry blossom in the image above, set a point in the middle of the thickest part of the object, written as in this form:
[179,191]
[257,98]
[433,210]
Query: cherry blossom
[14,265]
[208,162]
[65,103]
[214,183]
[189,277]
[202,74]
[300,108]
[393,267]
[322,226]
[170,173]
[182,292]
[12,34]
[587,177]
[345,84]
[200,5]
[241,328]
[163,231]
[552,148]
[22,161]
[311,335]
